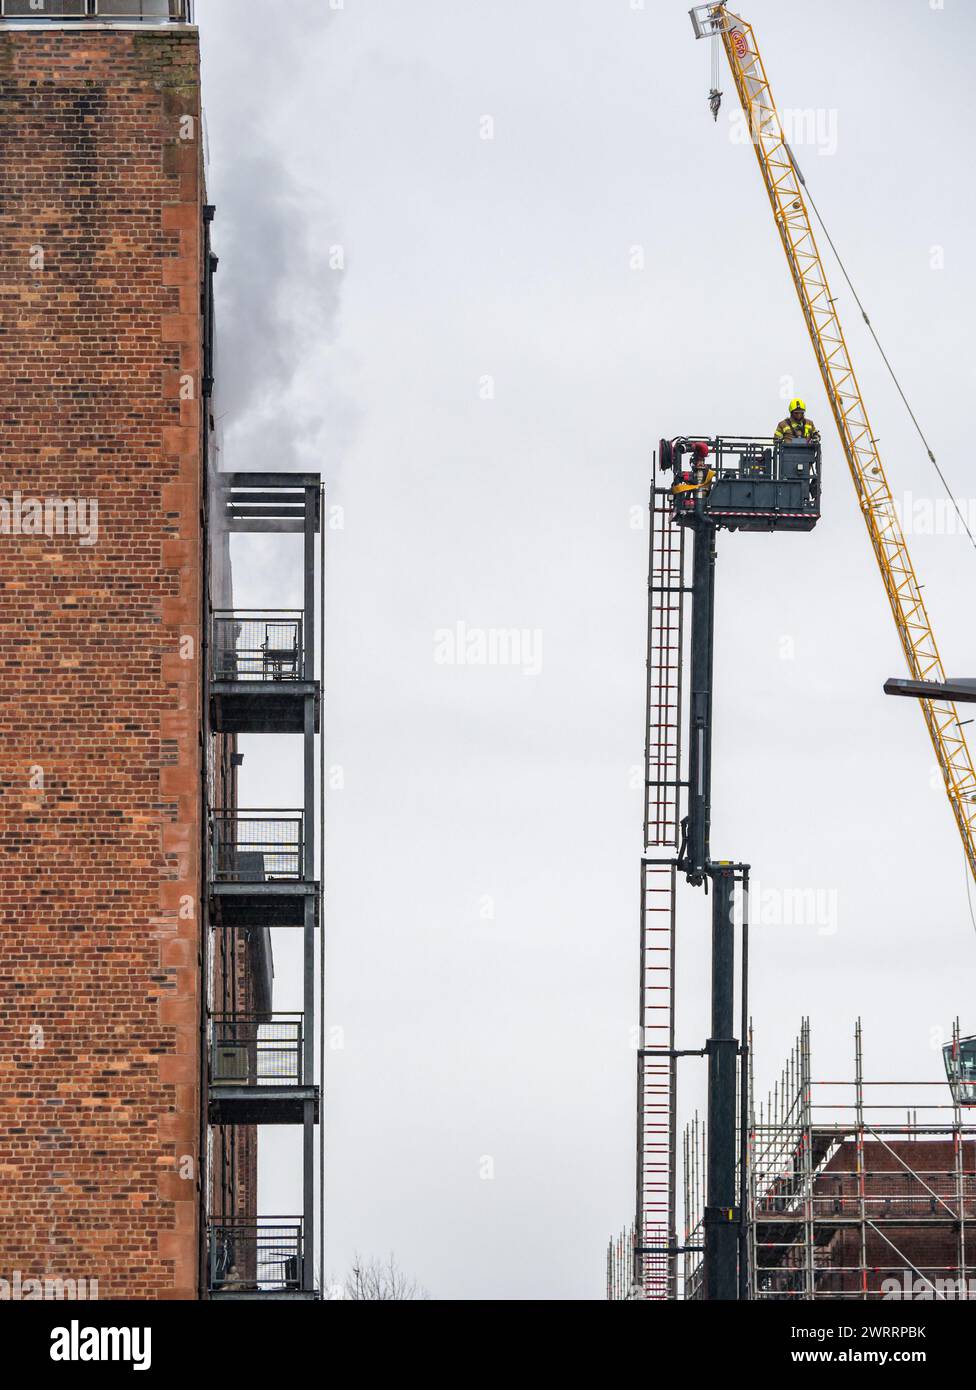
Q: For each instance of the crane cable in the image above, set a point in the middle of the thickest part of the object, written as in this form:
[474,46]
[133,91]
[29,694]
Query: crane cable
[884,355]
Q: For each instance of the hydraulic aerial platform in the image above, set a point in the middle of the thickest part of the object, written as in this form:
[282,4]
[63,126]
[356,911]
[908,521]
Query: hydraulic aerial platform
[718,484]
[792,205]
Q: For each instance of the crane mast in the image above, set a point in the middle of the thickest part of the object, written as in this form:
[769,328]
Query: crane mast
[784,184]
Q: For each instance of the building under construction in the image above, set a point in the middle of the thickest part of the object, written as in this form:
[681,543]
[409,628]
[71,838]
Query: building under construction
[856,1189]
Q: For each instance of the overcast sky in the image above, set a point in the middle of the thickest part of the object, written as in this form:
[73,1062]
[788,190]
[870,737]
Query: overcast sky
[476,257]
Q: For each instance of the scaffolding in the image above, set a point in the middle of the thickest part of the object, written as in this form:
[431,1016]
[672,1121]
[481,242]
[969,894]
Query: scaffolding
[858,1189]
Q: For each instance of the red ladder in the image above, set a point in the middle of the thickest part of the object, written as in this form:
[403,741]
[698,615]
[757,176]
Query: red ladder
[655,1269]
[665,632]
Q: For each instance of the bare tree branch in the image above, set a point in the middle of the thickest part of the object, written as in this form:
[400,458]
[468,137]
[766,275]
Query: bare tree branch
[380,1281]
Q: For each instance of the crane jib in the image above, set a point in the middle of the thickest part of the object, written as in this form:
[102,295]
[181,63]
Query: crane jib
[784,185]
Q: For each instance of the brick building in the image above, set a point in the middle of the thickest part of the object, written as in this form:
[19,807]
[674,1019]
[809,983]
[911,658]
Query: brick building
[860,1189]
[114,559]
[882,1213]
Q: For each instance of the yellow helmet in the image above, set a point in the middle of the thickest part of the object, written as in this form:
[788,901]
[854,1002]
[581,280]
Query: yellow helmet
[797,404]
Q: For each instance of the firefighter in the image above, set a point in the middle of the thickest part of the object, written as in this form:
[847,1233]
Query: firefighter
[796,425]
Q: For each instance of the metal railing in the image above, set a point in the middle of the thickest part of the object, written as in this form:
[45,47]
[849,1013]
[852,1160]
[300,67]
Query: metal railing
[756,459]
[249,1051]
[103,11]
[258,646]
[257,846]
[766,458]
[256,1256]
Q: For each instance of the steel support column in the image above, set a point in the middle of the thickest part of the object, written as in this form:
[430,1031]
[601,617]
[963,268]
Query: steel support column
[308,1060]
[702,662]
[721,1210]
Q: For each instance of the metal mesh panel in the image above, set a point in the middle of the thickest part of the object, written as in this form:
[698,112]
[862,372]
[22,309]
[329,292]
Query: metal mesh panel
[263,1256]
[248,1051]
[257,647]
[257,846]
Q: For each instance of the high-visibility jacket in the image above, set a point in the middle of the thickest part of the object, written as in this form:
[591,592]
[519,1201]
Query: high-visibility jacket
[788,429]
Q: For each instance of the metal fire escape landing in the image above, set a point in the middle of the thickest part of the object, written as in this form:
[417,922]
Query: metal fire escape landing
[263,682]
[257,1070]
[263,663]
[259,678]
[262,876]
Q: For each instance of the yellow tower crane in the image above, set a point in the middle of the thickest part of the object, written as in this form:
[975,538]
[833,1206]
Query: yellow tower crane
[785,186]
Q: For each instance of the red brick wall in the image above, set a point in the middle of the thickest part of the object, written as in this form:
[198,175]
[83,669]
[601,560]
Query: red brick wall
[910,1190]
[913,1181]
[234,1155]
[100,251]
[233,1178]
